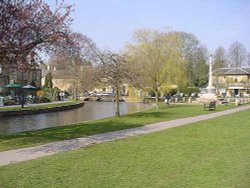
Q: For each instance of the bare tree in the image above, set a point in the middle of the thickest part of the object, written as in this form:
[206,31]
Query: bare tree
[237,54]
[219,58]
[248,59]
[114,71]
[75,61]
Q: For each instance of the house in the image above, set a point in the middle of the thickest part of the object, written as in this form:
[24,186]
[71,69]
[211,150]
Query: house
[232,82]
[60,78]
[11,74]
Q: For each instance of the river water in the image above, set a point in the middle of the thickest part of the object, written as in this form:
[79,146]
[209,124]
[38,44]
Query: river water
[90,111]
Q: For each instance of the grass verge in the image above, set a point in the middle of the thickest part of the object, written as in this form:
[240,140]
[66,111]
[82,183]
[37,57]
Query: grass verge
[38,137]
[213,153]
[37,107]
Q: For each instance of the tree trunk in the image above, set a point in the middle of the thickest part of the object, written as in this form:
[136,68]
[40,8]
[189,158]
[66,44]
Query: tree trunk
[157,99]
[22,91]
[76,89]
[117,101]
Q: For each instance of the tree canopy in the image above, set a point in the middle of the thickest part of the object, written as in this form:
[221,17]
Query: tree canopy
[220,60]
[31,26]
[194,55]
[237,54]
[157,60]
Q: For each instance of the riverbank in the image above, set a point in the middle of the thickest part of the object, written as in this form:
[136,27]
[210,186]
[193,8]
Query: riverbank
[48,135]
[39,108]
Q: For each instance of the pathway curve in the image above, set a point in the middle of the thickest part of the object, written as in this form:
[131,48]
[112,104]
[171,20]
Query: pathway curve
[18,155]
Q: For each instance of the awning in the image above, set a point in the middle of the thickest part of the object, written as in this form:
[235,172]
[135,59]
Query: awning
[12,86]
[29,87]
[235,87]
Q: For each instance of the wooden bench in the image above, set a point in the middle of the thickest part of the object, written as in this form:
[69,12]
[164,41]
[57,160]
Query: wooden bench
[224,102]
[209,105]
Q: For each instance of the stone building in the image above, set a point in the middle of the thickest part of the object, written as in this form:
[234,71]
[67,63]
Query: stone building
[60,78]
[232,82]
[11,74]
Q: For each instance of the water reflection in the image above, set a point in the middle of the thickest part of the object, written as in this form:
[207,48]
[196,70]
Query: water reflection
[90,111]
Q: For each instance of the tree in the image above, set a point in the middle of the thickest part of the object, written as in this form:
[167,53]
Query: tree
[156,60]
[195,57]
[219,58]
[113,70]
[51,92]
[30,26]
[102,66]
[76,61]
[201,67]
[48,81]
[237,54]
[88,77]
[248,59]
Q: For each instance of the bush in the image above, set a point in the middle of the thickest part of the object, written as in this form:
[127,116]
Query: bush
[43,100]
[190,90]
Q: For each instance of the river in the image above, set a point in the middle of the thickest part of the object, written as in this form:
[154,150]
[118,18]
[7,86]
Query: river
[90,111]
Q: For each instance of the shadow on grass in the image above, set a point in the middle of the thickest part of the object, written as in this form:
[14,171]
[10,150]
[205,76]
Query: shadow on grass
[32,138]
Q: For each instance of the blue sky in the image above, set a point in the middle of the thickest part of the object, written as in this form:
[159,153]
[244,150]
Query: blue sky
[110,23]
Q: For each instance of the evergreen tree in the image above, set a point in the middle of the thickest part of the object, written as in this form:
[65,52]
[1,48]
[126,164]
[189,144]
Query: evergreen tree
[48,81]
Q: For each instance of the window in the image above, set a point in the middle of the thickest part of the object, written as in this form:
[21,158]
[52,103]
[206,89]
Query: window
[34,78]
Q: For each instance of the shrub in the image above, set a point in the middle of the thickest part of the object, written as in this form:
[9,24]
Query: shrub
[43,100]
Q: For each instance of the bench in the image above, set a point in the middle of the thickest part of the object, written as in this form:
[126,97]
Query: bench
[224,102]
[209,105]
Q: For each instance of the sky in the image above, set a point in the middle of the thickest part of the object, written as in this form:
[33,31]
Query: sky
[111,23]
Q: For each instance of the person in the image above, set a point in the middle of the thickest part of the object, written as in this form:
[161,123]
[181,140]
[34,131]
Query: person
[61,94]
[167,99]
[22,100]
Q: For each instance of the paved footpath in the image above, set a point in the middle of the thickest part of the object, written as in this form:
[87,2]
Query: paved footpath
[18,155]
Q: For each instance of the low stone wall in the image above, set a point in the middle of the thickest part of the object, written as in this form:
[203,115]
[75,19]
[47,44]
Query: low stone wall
[40,111]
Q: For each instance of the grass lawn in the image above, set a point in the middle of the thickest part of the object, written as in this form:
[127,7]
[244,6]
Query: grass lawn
[40,106]
[37,137]
[213,153]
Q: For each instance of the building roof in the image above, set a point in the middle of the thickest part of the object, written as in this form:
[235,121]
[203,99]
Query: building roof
[232,71]
[221,71]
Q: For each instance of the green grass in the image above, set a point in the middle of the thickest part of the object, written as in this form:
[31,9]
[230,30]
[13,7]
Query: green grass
[37,137]
[207,154]
[46,106]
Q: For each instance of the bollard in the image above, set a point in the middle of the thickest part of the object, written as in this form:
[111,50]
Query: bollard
[1,101]
[183,99]
[237,102]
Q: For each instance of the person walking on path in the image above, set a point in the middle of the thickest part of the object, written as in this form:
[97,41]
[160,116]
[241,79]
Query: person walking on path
[167,99]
